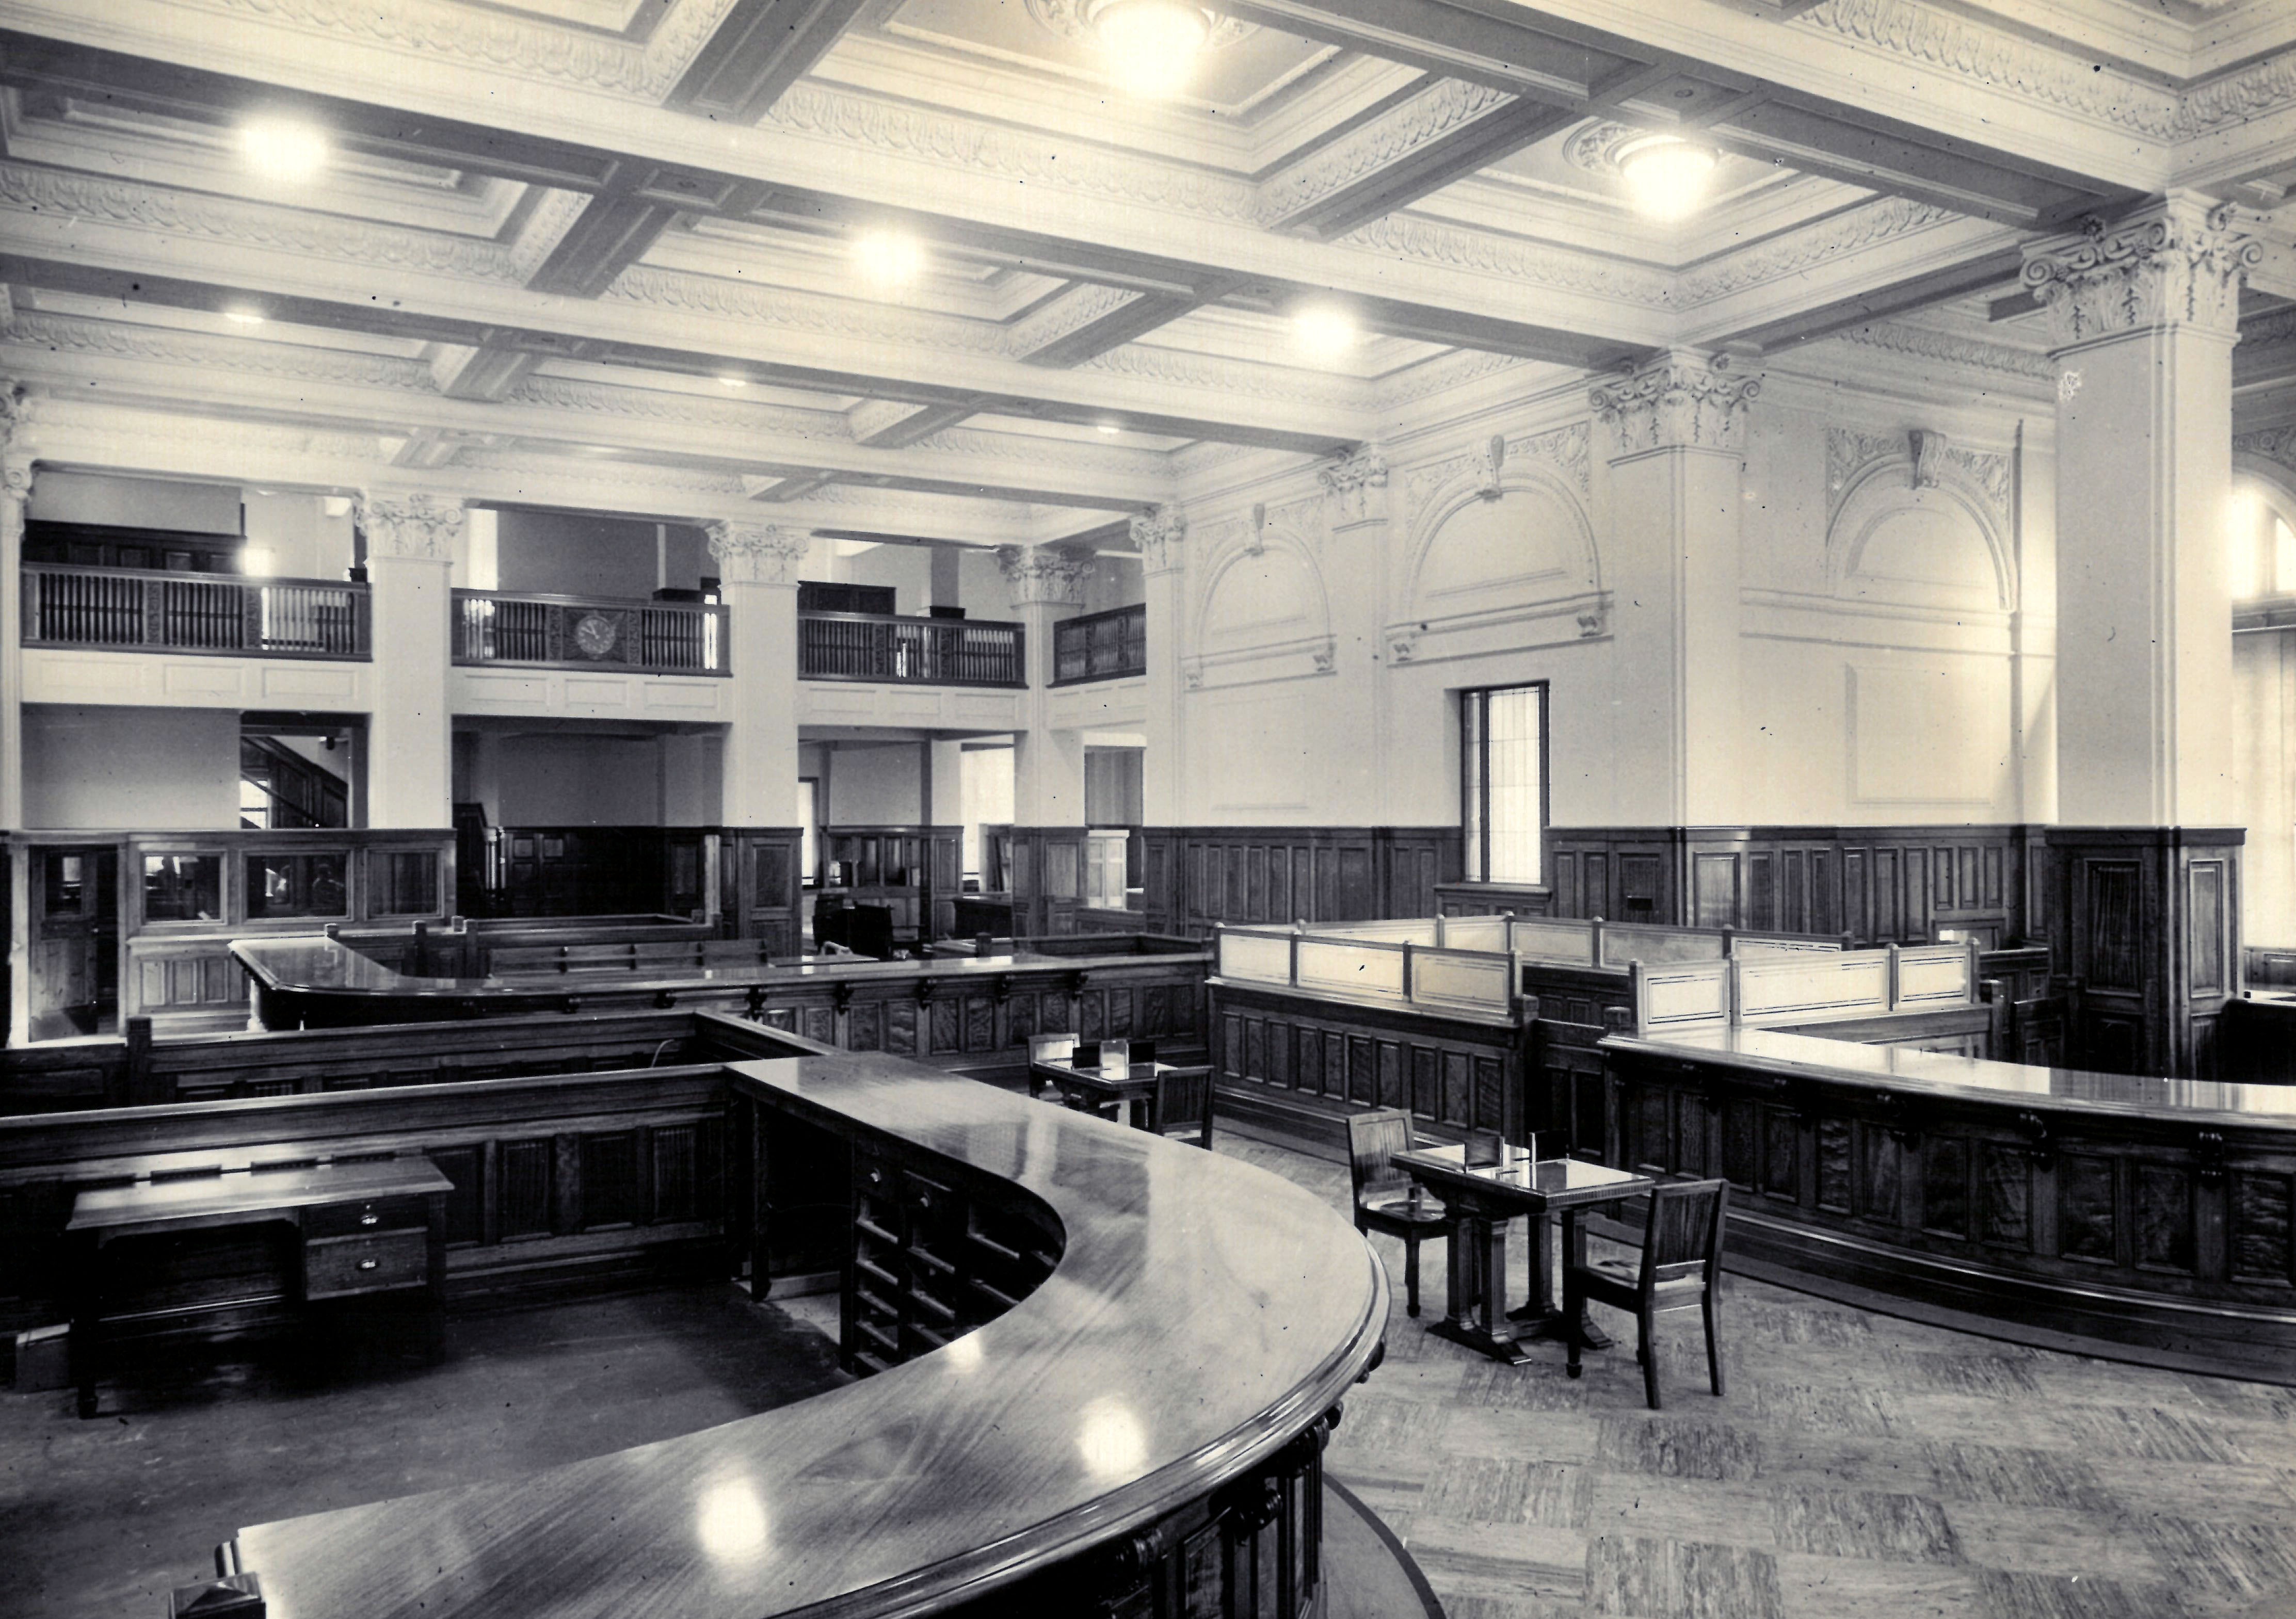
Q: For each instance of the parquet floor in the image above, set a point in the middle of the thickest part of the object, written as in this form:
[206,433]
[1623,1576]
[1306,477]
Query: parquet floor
[1859,1466]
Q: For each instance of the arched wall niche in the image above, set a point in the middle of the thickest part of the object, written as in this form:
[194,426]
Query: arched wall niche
[1940,544]
[1479,548]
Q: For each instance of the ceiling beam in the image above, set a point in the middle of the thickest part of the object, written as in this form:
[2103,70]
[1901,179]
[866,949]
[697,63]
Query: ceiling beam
[761,49]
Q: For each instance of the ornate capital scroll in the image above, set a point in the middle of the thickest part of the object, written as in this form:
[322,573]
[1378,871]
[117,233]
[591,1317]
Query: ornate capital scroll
[1682,399]
[1162,536]
[2178,263]
[758,553]
[1045,576]
[1358,483]
[419,526]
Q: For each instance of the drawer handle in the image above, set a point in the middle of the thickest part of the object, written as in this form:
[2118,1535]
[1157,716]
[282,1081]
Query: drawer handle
[369,1219]
[369,1264]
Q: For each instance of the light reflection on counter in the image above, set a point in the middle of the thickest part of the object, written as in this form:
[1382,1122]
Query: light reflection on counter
[731,1523]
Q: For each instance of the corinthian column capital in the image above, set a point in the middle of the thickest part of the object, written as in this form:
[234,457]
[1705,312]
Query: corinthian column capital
[422,527]
[1045,576]
[758,553]
[1162,536]
[2177,262]
[1682,398]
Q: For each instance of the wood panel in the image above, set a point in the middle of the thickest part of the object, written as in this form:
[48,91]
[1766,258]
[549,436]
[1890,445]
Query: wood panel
[760,883]
[1197,878]
[593,871]
[2168,1235]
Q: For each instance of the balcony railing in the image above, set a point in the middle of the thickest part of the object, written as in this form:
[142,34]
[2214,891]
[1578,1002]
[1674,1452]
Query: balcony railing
[494,627]
[138,609]
[1100,646]
[915,651]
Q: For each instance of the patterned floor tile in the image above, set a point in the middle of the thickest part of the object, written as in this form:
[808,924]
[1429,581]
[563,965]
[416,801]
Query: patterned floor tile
[2234,1559]
[1644,1507]
[1962,1471]
[1529,1562]
[2152,1432]
[1634,1578]
[1679,1448]
[1830,1408]
[1496,1490]
[1866,1524]
[2028,1595]
[2051,1540]
[1836,1588]
[1988,1375]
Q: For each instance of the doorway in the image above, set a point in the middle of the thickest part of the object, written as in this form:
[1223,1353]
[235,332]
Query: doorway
[74,942]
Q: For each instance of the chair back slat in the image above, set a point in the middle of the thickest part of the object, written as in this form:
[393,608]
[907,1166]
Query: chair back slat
[1685,1226]
[1375,1136]
[1182,1101]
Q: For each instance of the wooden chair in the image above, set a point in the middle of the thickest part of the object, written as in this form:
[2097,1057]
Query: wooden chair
[1383,1201]
[1181,1105]
[1046,1048]
[1681,1263]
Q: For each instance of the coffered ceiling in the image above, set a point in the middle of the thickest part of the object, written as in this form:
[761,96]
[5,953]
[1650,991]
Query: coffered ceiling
[604,251]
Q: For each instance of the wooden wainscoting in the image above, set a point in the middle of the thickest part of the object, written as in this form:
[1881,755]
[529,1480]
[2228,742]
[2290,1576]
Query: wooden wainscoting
[1197,878]
[757,884]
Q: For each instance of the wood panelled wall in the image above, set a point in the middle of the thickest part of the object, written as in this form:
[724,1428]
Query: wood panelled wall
[1880,885]
[596,871]
[757,884]
[1197,878]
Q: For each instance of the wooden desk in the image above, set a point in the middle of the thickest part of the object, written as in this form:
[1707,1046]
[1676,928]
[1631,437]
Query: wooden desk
[1480,1202]
[1128,1085]
[374,1227]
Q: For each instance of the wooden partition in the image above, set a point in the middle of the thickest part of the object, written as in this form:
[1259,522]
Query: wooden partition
[592,870]
[914,872]
[1197,878]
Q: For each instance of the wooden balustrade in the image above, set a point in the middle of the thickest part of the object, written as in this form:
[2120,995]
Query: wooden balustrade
[138,609]
[590,632]
[912,652]
[1100,646]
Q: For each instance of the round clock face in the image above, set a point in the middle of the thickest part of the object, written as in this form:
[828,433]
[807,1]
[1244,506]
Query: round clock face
[595,635]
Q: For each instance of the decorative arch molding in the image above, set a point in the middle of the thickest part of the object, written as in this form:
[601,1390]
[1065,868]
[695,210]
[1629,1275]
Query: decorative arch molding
[1871,481]
[1422,633]
[1290,534]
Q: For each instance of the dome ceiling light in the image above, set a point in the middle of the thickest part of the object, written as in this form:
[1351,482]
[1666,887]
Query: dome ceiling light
[1322,331]
[1665,174]
[1148,48]
[888,259]
[284,149]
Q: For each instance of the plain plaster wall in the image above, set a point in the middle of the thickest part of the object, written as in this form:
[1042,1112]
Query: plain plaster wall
[875,784]
[162,769]
[561,553]
[139,503]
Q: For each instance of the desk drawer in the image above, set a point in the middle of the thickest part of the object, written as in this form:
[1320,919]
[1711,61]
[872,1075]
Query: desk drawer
[360,1219]
[336,1267]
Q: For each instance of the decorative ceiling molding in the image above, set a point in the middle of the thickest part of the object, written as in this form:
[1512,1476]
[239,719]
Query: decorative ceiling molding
[2001,61]
[1412,236]
[1440,374]
[1070,313]
[2239,97]
[500,42]
[1381,144]
[1072,20]
[653,405]
[120,202]
[1921,343]
[115,339]
[791,311]
[1798,251]
[1244,378]
[545,228]
[212,440]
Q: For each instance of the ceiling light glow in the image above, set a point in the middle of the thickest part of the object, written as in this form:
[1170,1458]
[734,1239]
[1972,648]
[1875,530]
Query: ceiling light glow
[889,258]
[1151,45]
[284,149]
[243,317]
[733,381]
[1324,331]
[1665,175]
[1108,428]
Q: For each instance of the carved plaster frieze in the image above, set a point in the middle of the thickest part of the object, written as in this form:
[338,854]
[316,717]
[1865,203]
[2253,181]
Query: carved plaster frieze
[207,441]
[1682,400]
[2238,98]
[1799,251]
[545,228]
[1042,451]
[1928,459]
[144,207]
[2178,263]
[1378,145]
[789,311]
[2001,61]
[810,107]
[417,527]
[1358,485]
[1442,373]
[1162,536]
[758,553]
[501,43]
[1243,376]
[1921,343]
[1070,313]
[2274,444]
[70,334]
[654,404]
[1072,21]
[1045,576]
[1409,235]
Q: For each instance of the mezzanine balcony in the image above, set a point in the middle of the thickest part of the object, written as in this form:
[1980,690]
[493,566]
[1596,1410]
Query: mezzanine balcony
[131,610]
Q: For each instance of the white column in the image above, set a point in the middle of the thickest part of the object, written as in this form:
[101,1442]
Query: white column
[411,540]
[1047,585]
[15,490]
[2143,316]
[1357,556]
[1162,537]
[1678,426]
[757,568]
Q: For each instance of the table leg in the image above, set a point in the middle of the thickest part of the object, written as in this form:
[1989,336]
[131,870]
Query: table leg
[1475,1317]
[87,1319]
[1542,1316]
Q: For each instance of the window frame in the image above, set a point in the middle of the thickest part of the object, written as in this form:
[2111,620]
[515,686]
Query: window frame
[1474,779]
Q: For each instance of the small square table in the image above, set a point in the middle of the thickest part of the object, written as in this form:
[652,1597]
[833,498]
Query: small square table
[1128,1084]
[1479,1202]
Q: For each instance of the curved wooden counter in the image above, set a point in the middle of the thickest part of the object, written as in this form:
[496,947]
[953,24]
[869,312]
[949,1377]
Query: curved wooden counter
[2150,1218]
[1202,1316]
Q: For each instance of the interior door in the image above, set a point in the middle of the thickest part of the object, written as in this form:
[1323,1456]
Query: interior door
[75,939]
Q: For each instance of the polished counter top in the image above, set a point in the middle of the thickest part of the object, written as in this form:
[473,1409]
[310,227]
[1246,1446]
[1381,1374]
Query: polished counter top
[1807,1056]
[1202,1313]
[318,965]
